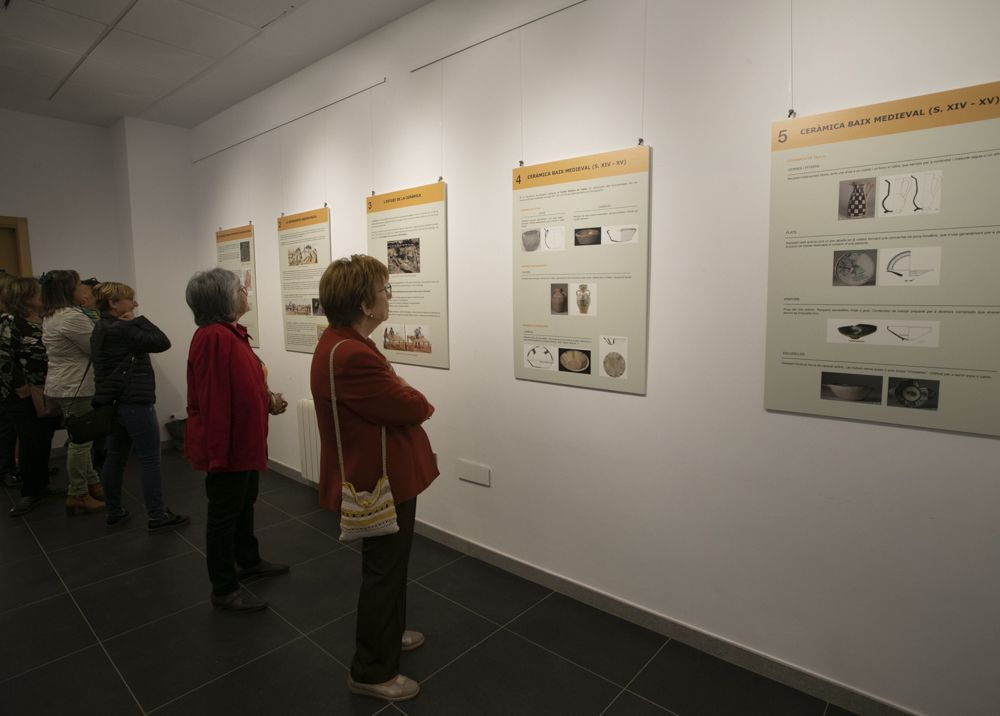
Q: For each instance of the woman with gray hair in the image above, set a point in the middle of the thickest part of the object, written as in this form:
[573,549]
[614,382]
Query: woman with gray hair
[226,433]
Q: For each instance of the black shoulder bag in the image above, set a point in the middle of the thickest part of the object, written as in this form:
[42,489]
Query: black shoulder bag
[99,422]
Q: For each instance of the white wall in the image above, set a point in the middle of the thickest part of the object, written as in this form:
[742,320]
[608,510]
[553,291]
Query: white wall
[691,502]
[60,176]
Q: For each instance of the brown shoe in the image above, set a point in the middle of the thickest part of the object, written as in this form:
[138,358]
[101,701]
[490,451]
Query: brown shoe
[399,688]
[76,504]
[96,491]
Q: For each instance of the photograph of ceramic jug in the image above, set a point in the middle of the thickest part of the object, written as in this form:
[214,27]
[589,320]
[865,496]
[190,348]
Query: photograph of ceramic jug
[558,301]
[583,298]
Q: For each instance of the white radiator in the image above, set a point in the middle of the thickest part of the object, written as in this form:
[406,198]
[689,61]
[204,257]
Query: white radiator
[308,441]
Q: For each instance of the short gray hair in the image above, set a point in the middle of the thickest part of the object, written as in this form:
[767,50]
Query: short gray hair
[213,296]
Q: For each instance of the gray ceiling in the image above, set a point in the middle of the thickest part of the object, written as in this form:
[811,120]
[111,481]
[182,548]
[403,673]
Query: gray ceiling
[173,61]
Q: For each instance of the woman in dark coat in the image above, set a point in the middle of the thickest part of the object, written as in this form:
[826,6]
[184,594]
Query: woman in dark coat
[355,297]
[120,347]
[23,363]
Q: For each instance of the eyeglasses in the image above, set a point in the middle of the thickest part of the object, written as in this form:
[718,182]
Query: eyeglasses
[388,290]
[243,290]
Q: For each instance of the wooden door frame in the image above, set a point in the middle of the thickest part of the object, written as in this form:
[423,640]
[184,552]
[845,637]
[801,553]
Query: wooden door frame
[20,226]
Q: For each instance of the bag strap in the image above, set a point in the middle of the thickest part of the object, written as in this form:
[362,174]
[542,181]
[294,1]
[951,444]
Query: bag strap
[336,421]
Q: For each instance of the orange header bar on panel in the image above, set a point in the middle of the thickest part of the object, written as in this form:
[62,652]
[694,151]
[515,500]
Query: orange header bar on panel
[240,232]
[427,194]
[306,218]
[941,109]
[594,166]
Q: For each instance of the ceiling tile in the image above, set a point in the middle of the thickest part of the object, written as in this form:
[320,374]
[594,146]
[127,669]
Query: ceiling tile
[19,85]
[31,22]
[145,56]
[76,95]
[29,57]
[122,80]
[104,11]
[185,26]
[257,13]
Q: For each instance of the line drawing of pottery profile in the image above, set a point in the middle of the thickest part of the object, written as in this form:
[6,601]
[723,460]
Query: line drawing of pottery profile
[909,333]
[530,239]
[540,357]
[858,330]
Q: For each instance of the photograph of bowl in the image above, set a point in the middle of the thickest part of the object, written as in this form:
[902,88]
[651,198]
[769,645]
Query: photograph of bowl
[587,237]
[848,392]
[858,330]
[854,268]
[614,364]
[575,361]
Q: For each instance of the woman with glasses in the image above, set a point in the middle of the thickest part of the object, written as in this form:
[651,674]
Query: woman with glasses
[355,297]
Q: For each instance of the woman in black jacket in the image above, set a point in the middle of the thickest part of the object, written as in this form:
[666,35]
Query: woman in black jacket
[120,347]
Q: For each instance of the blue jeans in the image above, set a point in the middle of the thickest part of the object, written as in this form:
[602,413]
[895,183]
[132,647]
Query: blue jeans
[137,429]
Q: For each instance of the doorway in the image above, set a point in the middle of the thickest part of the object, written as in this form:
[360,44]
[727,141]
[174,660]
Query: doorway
[15,254]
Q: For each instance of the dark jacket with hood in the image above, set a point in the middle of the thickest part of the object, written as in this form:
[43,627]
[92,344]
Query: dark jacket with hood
[120,351]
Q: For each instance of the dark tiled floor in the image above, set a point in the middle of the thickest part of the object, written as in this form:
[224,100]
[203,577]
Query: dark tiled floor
[118,622]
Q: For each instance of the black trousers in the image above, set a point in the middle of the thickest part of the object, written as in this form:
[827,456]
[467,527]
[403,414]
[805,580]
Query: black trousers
[8,439]
[382,600]
[34,436]
[229,538]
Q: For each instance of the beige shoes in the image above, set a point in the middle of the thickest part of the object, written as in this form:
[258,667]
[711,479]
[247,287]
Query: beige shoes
[83,504]
[412,640]
[399,688]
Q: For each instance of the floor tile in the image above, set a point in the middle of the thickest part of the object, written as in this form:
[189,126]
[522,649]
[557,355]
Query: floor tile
[292,542]
[113,555]
[170,657]
[297,679]
[487,590]
[64,687]
[837,711]
[324,521]
[591,638]
[693,683]
[631,705]
[316,592]
[449,629]
[57,530]
[264,515]
[507,675]
[27,581]
[428,555]
[16,541]
[138,597]
[39,633]
[295,499]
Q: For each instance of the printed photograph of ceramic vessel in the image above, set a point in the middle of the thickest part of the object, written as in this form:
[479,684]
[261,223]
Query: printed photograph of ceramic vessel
[531,239]
[553,238]
[911,393]
[244,252]
[394,337]
[855,268]
[403,256]
[851,387]
[857,331]
[587,237]
[628,234]
[582,299]
[572,360]
[298,309]
[540,356]
[613,358]
[856,199]
[418,339]
[559,299]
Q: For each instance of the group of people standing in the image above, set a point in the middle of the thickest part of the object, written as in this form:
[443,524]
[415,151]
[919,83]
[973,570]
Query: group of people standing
[52,337]
[78,344]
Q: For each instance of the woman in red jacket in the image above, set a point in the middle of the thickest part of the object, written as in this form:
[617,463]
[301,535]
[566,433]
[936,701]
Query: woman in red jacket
[226,433]
[355,297]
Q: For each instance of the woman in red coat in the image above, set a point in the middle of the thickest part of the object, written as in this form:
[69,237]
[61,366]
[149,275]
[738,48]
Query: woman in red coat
[355,297]
[226,434]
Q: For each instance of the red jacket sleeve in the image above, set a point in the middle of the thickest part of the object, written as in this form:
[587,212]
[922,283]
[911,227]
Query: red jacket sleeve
[366,385]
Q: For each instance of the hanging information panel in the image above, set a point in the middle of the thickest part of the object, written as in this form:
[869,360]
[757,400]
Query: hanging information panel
[581,267]
[883,299]
[234,250]
[303,255]
[408,232]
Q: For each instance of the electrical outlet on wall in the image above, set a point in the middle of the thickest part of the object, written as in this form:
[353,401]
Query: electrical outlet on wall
[469,471]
